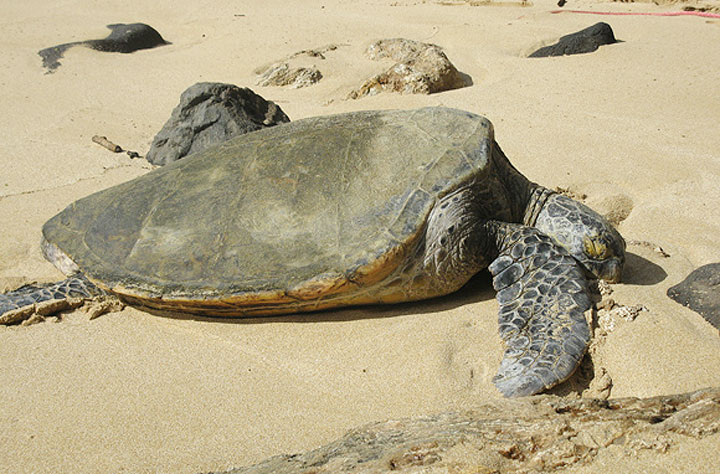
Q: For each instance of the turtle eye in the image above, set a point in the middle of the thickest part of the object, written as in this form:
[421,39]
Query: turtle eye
[595,249]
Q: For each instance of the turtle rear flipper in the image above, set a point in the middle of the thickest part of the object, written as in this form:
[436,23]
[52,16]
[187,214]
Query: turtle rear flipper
[26,296]
[543,296]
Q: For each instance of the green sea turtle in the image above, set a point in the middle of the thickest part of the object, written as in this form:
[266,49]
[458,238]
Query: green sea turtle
[358,208]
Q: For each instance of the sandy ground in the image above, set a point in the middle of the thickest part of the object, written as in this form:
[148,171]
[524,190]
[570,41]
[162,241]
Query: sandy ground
[634,126]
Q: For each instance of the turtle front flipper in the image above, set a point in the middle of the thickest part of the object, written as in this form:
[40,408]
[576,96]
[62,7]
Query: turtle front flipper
[543,296]
[14,303]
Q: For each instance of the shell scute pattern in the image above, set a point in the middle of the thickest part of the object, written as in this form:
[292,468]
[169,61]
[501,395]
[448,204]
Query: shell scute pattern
[311,209]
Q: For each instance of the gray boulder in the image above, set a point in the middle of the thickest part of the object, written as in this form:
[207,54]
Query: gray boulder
[281,74]
[210,113]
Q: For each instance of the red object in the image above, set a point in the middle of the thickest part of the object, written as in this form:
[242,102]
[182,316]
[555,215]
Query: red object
[694,13]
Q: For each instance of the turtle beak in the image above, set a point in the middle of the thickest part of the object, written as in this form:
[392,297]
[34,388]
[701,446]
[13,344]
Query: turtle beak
[612,271]
[609,269]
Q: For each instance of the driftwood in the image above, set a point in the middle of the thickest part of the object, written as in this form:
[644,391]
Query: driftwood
[105,143]
[536,434]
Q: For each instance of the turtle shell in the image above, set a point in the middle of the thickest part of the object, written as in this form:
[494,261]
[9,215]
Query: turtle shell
[299,216]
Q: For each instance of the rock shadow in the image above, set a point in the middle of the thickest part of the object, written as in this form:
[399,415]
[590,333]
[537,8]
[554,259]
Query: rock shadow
[641,271]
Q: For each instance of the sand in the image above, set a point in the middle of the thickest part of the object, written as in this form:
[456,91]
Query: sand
[634,126]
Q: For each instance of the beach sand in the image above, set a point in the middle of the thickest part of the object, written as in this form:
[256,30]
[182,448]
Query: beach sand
[634,126]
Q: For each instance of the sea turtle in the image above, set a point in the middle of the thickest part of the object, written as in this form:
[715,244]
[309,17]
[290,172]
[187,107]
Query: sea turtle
[350,209]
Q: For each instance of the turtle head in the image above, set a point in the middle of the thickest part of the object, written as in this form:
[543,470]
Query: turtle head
[587,235]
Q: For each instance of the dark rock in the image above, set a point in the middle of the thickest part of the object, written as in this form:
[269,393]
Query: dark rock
[128,38]
[584,41]
[700,291]
[122,39]
[210,113]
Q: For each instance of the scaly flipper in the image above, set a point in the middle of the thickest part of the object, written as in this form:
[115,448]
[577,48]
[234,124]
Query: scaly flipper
[76,286]
[543,296]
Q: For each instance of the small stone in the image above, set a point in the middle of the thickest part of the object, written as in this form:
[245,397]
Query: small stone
[604,288]
[606,322]
[281,74]
[285,73]
[628,313]
[609,312]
